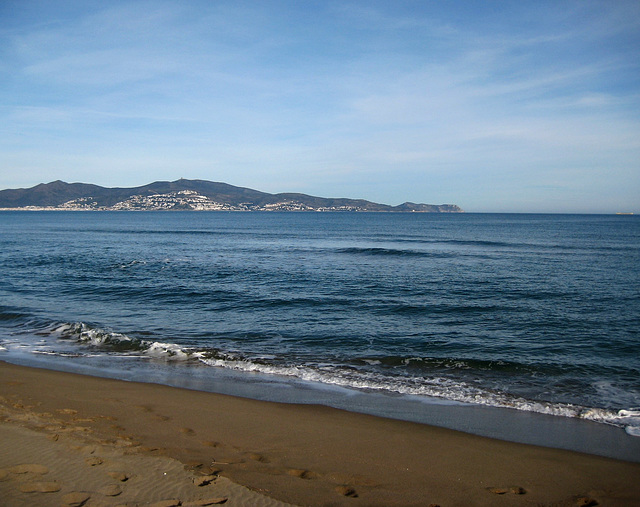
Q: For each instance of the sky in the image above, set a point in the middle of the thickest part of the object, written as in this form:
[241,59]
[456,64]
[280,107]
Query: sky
[509,106]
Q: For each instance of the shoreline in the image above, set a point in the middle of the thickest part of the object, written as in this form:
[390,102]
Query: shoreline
[300,454]
[509,424]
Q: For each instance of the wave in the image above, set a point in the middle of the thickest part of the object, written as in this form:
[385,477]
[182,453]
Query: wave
[95,337]
[430,364]
[394,252]
[163,232]
[441,309]
[8,315]
[426,377]
[489,244]
[627,419]
[415,376]
[434,387]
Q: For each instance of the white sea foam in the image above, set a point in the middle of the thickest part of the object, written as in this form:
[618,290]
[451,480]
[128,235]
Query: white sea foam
[131,264]
[437,387]
[167,351]
[87,334]
[100,338]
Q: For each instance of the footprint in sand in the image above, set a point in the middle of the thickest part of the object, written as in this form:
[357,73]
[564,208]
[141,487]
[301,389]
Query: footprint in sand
[258,457]
[94,461]
[111,490]
[347,491]
[174,502]
[29,469]
[75,499]
[301,474]
[205,501]
[204,480]
[187,431]
[584,501]
[119,476]
[516,490]
[39,487]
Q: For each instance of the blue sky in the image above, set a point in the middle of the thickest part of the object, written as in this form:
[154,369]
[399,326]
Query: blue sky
[495,106]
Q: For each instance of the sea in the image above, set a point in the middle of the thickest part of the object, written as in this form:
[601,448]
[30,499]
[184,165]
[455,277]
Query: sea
[523,327]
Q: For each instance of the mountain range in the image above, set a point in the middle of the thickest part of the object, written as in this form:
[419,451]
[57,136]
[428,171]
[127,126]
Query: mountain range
[189,195]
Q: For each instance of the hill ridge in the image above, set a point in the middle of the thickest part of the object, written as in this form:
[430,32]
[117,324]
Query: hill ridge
[185,194]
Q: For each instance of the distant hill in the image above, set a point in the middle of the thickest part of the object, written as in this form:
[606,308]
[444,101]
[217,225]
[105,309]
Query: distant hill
[189,195]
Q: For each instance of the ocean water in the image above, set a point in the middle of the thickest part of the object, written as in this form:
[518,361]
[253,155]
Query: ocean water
[530,313]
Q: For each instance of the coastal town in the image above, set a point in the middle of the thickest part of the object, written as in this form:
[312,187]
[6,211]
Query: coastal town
[187,200]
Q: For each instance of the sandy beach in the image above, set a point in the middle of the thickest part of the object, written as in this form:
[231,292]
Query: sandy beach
[68,439]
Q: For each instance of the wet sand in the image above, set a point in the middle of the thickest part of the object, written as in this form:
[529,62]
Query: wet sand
[68,439]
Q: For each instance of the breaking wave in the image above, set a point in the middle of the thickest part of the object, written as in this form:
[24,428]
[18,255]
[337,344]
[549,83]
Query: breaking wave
[419,376]
[97,338]
[434,387]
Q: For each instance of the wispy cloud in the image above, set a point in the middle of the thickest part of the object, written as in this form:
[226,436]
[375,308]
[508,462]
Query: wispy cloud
[428,93]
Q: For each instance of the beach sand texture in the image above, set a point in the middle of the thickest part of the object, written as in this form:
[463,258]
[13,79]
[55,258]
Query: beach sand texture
[69,439]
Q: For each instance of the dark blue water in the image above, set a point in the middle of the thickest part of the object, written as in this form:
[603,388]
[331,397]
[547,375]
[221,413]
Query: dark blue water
[538,313]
